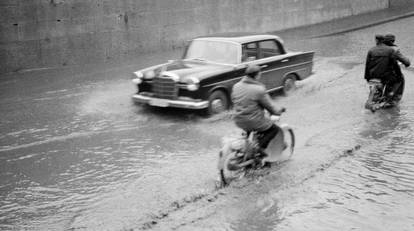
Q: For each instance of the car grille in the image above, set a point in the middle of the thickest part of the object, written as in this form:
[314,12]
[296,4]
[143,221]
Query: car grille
[164,87]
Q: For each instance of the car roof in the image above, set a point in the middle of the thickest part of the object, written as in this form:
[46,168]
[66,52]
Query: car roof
[239,37]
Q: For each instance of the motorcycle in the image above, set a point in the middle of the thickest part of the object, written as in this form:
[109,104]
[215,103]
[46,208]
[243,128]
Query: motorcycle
[379,96]
[238,154]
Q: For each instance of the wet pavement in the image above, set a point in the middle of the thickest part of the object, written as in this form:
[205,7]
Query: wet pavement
[77,154]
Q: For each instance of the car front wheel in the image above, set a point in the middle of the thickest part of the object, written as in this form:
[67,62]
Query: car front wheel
[218,102]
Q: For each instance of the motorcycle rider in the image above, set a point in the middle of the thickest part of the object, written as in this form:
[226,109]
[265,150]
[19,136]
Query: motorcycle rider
[377,65]
[398,84]
[250,100]
[380,63]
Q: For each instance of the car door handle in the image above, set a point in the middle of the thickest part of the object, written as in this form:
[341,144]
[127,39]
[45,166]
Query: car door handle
[284,60]
[263,66]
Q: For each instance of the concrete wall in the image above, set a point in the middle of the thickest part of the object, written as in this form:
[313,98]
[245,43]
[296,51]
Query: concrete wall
[47,33]
[394,3]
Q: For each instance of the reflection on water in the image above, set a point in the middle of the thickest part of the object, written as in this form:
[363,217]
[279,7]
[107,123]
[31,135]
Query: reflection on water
[370,190]
[383,123]
[48,183]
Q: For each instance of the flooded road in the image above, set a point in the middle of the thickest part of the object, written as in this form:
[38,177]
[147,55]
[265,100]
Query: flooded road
[77,154]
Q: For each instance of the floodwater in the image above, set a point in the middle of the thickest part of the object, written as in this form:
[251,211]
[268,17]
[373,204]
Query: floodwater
[77,154]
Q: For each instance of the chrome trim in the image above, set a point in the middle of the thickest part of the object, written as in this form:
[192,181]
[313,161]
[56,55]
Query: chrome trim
[252,38]
[212,62]
[269,59]
[275,58]
[228,80]
[165,86]
[294,65]
[172,103]
[224,81]
[216,39]
[169,74]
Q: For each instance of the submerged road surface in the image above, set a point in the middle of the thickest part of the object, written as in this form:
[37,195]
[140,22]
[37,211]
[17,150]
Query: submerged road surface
[77,154]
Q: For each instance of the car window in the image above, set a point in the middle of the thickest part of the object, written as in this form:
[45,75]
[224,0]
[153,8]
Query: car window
[268,48]
[249,52]
[214,51]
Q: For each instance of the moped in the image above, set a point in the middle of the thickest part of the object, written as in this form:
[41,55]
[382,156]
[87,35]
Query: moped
[239,155]
[379,96]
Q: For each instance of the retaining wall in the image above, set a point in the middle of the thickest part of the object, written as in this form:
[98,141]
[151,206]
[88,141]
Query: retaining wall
[49,33]
[396,3]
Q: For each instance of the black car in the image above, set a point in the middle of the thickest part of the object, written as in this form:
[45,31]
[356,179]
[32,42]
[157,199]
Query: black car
[211,65]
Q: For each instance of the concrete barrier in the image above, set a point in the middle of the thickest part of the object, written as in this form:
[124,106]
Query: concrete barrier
[51,33]
[397,3]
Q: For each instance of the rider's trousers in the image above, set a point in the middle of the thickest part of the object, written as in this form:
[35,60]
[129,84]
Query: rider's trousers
[266,136]
[398,89]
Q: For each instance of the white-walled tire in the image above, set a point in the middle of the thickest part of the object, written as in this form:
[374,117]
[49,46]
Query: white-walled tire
[218,102]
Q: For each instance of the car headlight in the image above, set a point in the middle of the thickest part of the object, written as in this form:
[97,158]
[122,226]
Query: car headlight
[137,77]
[193,84]
[137,81]
[149,75]
[139,74]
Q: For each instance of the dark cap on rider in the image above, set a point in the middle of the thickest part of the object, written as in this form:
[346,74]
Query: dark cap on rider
[379,37]
[389,39]
[252,70]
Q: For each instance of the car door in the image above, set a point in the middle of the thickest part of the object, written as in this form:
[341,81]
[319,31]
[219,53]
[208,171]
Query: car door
[251,55]
[273,62]
[269,55]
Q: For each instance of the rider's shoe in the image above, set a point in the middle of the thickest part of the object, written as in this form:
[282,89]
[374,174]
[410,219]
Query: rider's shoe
[256,149]
[266,165]
[389,104]
[250,151]
[262,152]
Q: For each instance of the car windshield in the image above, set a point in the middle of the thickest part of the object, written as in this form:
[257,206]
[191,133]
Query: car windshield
[214,51]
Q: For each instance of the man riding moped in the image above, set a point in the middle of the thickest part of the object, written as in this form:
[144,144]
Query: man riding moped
[381,70]
[250,100]
[262,132]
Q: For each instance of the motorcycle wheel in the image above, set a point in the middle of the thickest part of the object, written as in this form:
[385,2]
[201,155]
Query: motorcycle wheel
[227,172]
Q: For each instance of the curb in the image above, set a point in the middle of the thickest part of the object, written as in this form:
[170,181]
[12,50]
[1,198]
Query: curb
[362,26]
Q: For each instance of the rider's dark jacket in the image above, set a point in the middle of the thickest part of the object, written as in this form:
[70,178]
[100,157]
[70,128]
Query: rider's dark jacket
[399,57]
[380,63]
[250,98]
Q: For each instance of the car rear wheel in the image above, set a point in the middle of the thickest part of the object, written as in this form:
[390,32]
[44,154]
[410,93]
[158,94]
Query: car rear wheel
[289,84]
[218,102]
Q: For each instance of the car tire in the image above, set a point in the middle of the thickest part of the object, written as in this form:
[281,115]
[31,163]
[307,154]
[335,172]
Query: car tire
[217,102]
[289,84]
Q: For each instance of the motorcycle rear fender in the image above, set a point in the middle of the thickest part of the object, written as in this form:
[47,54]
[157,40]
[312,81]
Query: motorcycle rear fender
[284,127]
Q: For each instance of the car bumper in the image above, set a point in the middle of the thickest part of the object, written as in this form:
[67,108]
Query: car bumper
[179,103]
